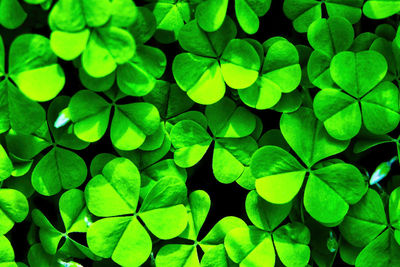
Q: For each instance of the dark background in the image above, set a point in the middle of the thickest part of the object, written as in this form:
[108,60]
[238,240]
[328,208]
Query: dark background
[227,199]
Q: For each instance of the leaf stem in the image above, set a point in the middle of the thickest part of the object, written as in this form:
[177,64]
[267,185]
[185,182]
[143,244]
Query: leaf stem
[307,97]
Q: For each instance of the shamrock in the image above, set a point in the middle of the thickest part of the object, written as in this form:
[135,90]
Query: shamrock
[179,255]
[367,227]
[364,99]
[60,167]
[76,219]
[280,73]
[130,126]
[114,194]
[172,104]
[231,127]
[256,245]
[95,30]
[213,59]
[305,12]
[279,176]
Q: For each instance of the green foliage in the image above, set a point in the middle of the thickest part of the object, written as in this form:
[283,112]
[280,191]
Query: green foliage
[199,133]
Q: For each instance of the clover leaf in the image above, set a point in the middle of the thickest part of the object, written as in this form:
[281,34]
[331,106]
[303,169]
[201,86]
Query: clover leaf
[12,15]
[305,12]
[76,219]
[6,166]
[114,194]
[363,100]
[33,67]
[280,74]
[279,176]
[13,209]
[248,12]
[6,252]
[130,125]
[211,14]
[257,244]
[15,106]
[375,9]
[366,226]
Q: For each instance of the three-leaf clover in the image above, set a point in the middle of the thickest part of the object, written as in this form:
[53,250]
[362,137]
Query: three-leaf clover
[130,125]
[279,176]
[76,219]
[60,167]
[367,226]
[231,126]
[280,73]
[364,99]
[214,59]
[256,245]
[114,194]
